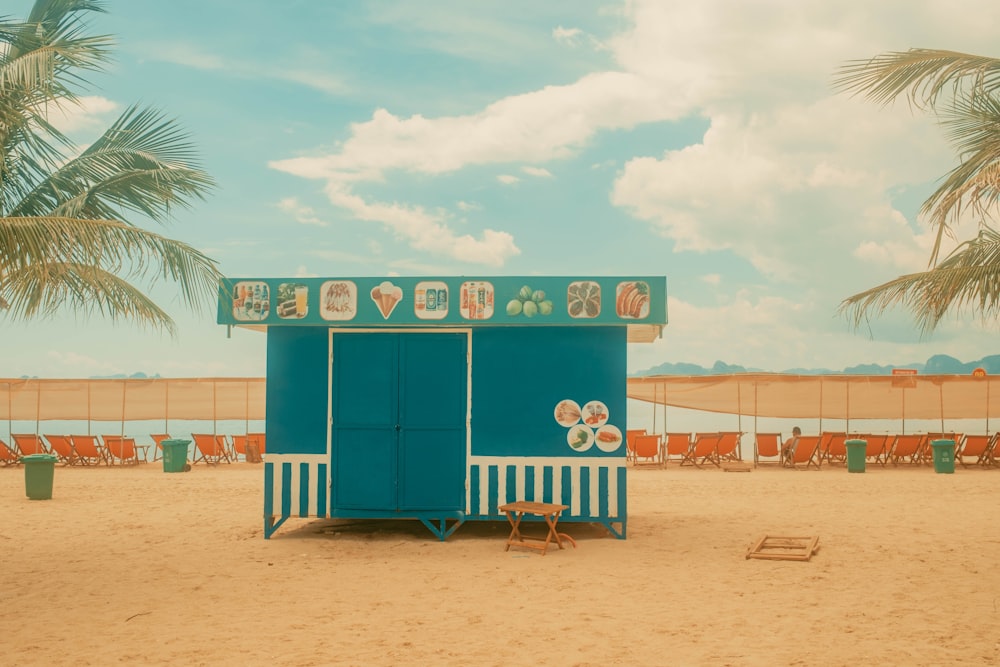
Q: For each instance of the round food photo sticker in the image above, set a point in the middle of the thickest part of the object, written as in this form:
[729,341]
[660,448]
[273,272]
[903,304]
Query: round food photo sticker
[580,438]
[595,414]
[567,412]
[608,438]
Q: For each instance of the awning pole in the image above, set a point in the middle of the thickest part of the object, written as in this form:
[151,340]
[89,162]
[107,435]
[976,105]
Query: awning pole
[38,405]
[124,389]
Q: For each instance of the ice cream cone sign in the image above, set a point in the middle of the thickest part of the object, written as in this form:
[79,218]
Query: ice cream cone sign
[386,296]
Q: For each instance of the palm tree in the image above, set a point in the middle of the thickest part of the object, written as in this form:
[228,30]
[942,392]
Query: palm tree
[65,239]
[963,90]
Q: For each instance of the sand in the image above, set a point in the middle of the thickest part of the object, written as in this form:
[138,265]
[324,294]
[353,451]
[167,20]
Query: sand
[136,566]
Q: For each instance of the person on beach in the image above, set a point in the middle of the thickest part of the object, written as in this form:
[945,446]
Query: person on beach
[788,448]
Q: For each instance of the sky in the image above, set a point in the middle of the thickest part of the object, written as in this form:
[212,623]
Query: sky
[703,141]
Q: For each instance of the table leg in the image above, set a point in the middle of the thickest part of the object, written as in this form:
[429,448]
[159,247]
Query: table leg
[552,520]
[515,532]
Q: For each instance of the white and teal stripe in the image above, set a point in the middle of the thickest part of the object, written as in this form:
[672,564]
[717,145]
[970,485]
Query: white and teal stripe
[298,485]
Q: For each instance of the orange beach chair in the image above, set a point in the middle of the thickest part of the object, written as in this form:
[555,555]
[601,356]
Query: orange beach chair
[88,449]
[648,450]
[906,448]
[8,457]
[676,445]
[978,446]
[209,449]
[121,449]
[629,442]
[28,443]
[703,449]
[766,445]
[806,451]
[62,447]
[158,439]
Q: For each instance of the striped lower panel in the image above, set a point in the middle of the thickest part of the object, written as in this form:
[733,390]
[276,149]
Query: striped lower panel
[297,485]
[592,488]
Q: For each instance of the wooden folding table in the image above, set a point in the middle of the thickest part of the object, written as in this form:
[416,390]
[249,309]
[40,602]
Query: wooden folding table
[548,511]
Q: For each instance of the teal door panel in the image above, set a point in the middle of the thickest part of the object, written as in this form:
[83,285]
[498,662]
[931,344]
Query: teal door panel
[365,372]
[364,397]
[399,433]
[433,381]
[365,470]
[432,469]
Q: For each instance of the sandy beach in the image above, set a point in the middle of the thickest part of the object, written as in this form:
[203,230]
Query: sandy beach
[131,565]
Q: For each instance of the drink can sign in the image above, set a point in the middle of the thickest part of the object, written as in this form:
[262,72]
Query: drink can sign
[419,299]
[431,299]
[442,299]
[464,303]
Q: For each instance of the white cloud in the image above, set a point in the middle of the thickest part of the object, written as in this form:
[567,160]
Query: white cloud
[712,278]
[91,112]
[426,230]
[195,56]
[302,213]
[566,35]
[468,206]
[540,172]
[303,272]
[508,179]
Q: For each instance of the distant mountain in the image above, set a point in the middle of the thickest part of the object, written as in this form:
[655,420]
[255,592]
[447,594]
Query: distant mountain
[939,364]
[122,376]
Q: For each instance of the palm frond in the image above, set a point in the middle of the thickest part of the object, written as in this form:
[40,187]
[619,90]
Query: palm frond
[968,278]
[84,289]
[923,74]
[972,124]
[31,244]
[143,163]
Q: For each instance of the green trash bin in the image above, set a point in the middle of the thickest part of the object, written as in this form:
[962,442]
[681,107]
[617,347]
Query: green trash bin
[39,470]
[856,451]
[944,456]
[175,455]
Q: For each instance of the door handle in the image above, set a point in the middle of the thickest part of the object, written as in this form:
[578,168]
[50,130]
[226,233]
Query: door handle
[397,427]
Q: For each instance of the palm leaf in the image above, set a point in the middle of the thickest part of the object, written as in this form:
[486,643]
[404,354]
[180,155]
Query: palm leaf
[924,74]
[968,278]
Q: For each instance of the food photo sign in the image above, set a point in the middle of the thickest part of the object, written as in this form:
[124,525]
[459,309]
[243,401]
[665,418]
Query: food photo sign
[452,301]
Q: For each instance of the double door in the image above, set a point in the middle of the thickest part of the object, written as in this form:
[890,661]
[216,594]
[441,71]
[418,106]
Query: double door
[399,410]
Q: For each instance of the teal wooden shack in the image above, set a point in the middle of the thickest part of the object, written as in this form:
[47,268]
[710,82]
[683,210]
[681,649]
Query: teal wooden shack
[441,399]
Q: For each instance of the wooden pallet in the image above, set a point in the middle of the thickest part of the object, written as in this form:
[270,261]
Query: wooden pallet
[737,467]
[774,547]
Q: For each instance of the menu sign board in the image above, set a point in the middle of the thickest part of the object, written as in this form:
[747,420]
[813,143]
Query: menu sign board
[451,301]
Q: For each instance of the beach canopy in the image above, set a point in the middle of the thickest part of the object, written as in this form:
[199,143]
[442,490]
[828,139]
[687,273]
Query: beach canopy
[132,399]
[825,396]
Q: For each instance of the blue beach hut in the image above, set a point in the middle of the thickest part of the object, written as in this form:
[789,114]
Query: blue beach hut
[443,399]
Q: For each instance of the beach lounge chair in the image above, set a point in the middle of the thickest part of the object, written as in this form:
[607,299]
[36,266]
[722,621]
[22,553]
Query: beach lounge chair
[29,443]
[806,451]
[209,449]
[88,450]
[906,448]
[836,448]
[875,450]
[121,449]
[727,448]
[629,442]
[62,447]
[677,445]
[648,450]
[8,457]
[974,445]
[240,447]
[257,439]
[766,445]
[703,450]
[158,439]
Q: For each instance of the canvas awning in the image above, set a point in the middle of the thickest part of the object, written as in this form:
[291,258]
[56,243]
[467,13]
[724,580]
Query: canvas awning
[132,399]
[826,396]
